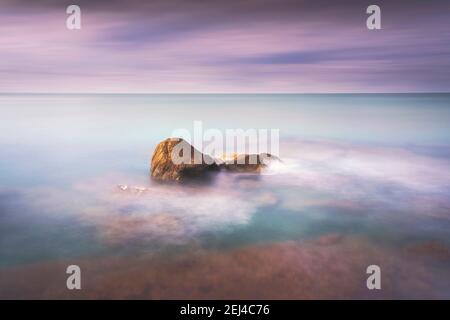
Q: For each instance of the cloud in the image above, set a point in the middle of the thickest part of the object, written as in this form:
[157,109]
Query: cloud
[242,46]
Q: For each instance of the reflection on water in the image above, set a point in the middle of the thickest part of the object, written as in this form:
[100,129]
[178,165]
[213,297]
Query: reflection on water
[358,186]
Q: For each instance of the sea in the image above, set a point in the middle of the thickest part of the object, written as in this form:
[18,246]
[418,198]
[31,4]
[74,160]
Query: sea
[364,180]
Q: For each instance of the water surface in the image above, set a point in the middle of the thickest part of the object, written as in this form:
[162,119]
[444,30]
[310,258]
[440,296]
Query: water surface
[365,180]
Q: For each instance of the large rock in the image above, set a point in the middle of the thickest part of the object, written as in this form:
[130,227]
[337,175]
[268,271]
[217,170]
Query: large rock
[165,168]
[196,165]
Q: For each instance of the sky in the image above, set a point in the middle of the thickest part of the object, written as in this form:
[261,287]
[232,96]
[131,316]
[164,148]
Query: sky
[246,46]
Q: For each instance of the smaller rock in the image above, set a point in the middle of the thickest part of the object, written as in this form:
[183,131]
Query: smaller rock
[249,162]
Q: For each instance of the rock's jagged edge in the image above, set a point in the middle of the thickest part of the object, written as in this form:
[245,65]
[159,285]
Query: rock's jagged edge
[164,169]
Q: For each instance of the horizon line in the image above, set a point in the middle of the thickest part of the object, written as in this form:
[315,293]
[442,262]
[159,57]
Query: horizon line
[214,93]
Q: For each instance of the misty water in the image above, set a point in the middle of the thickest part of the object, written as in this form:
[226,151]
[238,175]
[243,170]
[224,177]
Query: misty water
[364,179]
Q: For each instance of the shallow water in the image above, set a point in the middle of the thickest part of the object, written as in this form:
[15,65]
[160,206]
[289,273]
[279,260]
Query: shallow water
[365,180]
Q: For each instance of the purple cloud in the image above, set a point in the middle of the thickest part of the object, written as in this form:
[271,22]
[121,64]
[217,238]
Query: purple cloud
[241,46]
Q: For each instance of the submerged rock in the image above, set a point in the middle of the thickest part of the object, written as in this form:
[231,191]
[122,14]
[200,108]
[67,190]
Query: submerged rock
[166,165]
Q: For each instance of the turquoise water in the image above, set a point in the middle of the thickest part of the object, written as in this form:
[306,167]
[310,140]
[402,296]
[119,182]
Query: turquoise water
[365,180]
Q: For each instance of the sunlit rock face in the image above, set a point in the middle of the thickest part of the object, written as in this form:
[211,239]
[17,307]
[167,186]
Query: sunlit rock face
[199,165]
[164,168]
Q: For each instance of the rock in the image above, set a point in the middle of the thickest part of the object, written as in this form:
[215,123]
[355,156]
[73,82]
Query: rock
[249,162]
[164,168]
[197,165]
